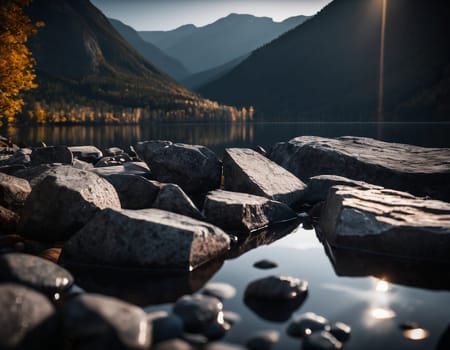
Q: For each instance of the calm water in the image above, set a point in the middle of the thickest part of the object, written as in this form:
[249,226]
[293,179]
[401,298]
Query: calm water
[343,287]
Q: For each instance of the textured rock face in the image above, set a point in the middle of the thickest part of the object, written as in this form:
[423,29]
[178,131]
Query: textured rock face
[417,170]
[90,154]
[63,202]
[145,239]
[52,154]
[130,168]
[244,212]
[172,198]
[13,191]
[196,169]
[98,322]
[387,221]
[248,171]
[28,319]
[34,272]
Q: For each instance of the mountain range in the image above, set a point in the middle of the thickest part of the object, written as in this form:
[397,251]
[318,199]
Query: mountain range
[329,67]
[218,43]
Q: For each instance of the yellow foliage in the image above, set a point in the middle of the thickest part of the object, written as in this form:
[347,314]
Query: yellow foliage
[16,61]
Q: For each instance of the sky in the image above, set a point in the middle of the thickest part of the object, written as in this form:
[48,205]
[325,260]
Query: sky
[170,14]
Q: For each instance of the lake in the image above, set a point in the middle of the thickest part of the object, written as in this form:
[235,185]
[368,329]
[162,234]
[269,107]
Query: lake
[377,296]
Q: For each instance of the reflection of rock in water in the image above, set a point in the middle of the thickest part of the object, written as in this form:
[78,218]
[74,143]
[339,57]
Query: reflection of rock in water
[146,289]
[414,273]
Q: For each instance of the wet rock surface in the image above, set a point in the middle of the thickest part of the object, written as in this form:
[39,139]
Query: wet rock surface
[28,320]
[93,321]
[145,239]
[306,324]
[418,170]
[34,272]
[321,341]
[244,212]
[386,221]
[172,198]
[63,202]
[196,169]
[248,171]
[277,287]
[13,191]
[341,331]
[167,327]
[219,290]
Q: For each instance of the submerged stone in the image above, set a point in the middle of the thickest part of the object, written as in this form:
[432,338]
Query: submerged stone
[341,331]
[219,290]
[321,341]
[305,324]
[265,264]
[277,287]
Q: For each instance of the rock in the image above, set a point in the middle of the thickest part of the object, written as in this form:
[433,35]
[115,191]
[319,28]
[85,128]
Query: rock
[418,170]
[113,160]
[172,198]
[265,264]
[63,202]
[113,151]
[386,221]
[244,212]
[306,324]
[219,290]
[79,164]
[9,221]
[34,175]
[277,287]
[135,192]
[216,330]
[167,327]
[196,169]
[13,191]
[34,272]
[198,312]
[52,154]
[145,239]
[10,243]
[94,321]
[248,171]
[11,169]
[27,321]
[231,317]
[321,341]
[341,331]
[222,346]
[51,254]
[20,157]
[175,344]
[90,154]
[130,168]
[318,187]
[264,340]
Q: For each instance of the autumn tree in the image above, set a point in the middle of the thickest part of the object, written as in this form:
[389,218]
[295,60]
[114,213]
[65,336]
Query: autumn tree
[16,61]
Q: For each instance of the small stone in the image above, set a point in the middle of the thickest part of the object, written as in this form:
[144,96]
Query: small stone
[34,272]
[306,324]
[277,287]
[198,311]
[113,151]
[175,344]
[219,290]
[90,154]
[321,341]
[231,317]
[264,340]
[223,346]
[167,327]
[216,330]
[341,331]
[265,264]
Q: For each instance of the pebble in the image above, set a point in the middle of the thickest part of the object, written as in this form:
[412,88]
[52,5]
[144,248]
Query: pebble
[263,340]
[231,317]
[265,264]
[277,287]
[174,344]
[219,290]
[341,331]
[167,327]
[306,324]
[321,341]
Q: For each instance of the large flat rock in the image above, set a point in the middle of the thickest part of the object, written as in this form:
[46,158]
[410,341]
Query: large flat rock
[63,202]
[196,169]
[243,211]
[248,171]
[386,221]
[418,170]
[144,239]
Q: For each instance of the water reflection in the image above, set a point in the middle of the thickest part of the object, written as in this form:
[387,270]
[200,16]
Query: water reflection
[416,333]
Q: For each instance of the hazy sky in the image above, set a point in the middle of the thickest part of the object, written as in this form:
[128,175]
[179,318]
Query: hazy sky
[170,14]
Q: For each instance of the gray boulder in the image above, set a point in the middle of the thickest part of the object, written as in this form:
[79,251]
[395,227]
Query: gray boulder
[417,170]
[34,272]
[196,169]
[129,168]
[94,321]
[90,154]
[27,321]
[52,154]
[135,192]
[35,174]
[82,165]
[248,171]
[172,198]
[13,191]
[145,239]
[244,212]
[63,202]
[386,221]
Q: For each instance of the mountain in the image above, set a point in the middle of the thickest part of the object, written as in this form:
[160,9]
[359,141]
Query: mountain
[88,73]
[228,38]
[198,79]
[328,68]
[165,63]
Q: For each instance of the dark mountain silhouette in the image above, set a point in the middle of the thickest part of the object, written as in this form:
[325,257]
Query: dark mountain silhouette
[328,68]
[196,80]
[165,63]
[228,38]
